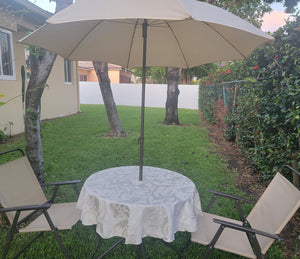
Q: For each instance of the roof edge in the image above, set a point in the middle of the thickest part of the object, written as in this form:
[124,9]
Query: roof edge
[34,8]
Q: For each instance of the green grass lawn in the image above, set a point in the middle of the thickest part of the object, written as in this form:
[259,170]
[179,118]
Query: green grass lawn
[77,146]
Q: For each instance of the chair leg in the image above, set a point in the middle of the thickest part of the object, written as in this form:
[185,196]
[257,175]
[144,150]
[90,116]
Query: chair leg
[111,248]
[10,234]
[253,240]
[178,252]
[55,232]
[213,241]
[27,245]
[100,240]
[185,247]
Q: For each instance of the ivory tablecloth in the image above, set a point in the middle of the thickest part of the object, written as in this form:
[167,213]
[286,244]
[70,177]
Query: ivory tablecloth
[120,205]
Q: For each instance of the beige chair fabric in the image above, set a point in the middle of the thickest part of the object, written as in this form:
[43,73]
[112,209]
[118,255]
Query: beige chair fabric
[271,213]
[19,187]
[274,209]
[231,240]
[63,216]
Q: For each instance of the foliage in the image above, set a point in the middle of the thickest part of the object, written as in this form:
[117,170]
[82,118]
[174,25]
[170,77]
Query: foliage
[155,75]
[266,120]
[185,149]
[252,11]
[289,4]
[1,96]
[200,71]
[6,132]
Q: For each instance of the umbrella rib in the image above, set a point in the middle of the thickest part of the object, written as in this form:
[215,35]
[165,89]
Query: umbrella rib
[225,39]
[131,43]
[178,43]
[83,38]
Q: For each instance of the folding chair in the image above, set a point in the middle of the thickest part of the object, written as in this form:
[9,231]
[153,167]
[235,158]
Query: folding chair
[24,203]
[251,236]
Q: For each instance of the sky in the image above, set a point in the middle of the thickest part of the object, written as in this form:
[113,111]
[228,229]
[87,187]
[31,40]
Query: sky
[45,4]
[272,21]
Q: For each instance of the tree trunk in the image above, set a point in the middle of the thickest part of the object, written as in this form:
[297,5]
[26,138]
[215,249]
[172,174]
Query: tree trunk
[114,122]
[41,68]
[173,76]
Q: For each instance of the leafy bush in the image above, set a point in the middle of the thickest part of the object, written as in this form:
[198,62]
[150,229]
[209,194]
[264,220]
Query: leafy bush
[265,121]
[5,133]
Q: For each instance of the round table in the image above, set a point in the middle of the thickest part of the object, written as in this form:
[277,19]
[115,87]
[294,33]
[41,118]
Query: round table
[120,205]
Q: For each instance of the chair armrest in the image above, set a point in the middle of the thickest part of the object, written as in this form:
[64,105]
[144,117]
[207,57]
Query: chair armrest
[57,184]
[27,207]
[12,150]
[231,196]
[61,183]
[246,229]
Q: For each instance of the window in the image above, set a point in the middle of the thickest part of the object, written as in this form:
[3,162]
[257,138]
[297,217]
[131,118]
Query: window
[7,70]
[83,78]
[68,71]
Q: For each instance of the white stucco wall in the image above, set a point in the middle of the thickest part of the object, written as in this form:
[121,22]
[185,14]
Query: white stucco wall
[130,95]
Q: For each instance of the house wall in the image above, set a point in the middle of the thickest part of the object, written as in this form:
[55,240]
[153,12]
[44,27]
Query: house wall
[12,90]
[125,77]
[59,99]
[114,76]
[92,76]
[82,72]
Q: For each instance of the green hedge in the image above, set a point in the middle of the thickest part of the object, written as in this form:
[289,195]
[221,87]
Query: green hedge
[263,104]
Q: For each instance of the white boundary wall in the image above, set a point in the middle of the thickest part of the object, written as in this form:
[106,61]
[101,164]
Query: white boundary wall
[130,95]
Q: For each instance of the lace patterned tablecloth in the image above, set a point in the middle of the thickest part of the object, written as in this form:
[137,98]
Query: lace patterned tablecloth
[120,205]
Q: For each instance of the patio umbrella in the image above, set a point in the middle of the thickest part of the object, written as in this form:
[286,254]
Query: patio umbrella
[143,33]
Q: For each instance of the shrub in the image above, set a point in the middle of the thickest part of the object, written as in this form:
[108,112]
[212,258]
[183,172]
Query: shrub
[265,122]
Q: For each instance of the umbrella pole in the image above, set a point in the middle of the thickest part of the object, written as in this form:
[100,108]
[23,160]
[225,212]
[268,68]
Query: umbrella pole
[141,139]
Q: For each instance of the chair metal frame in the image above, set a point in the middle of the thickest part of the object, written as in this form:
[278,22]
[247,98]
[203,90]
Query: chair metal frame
[37,209]
[246,227]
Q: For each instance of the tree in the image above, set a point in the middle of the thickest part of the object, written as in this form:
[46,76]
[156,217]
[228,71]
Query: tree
[42,62]
[289,4]
[114,122]
[173,77]
[263,108]
[155,75]
[252,11]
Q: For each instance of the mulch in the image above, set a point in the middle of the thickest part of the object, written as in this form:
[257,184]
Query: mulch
[251,182]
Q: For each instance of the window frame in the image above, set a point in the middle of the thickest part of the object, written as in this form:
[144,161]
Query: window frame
[68,71]
[83,78]
[12,57]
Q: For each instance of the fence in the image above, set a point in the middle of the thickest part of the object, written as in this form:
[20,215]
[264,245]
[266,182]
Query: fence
[130,95]
[217,101]
[262,117]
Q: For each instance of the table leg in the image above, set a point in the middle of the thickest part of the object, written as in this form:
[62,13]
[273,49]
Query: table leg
[179,252]
[111,248]
[140,249]
[100,240]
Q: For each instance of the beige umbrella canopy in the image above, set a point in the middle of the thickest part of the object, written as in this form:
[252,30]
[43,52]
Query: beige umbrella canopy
[141,33]
[181,33]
